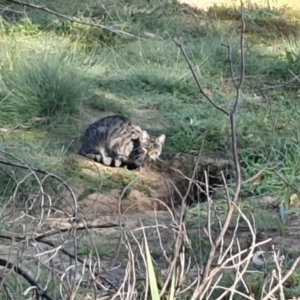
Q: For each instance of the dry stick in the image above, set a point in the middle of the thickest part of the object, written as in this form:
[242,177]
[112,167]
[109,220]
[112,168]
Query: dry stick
[179,44]
[267,161]
[64,183]
[287,275]
[130,270]
[5,9]
[250,253]
[284,179]
[181,225]
[144,260]
[222,252]
[40,237]
[209,204]
[279,270]
[237,279]
[296,77]
[7,291]
[270,87]
[193,176]
[259,173]
[177,248]
[179,244]
[47,234]
[70,255]
[231,208]
[207,274]
[214,286]
[120,217]
[181,236]
[216,213]
[73,20]
[41,292]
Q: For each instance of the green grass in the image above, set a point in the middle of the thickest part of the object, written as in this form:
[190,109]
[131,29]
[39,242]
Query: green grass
[101,249]
[56,77]
[55,74]
[45,87]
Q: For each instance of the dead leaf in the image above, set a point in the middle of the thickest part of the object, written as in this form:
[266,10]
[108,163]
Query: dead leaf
[257,180]
[295,200]
[208,93]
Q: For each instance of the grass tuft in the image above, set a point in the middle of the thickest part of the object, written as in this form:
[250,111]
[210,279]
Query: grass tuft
[42,87]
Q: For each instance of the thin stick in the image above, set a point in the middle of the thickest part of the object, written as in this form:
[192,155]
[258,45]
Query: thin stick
[73,20]
[41,292]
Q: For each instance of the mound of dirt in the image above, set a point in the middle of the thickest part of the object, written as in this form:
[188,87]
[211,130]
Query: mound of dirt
[148,189]
[131,199]
[111,203]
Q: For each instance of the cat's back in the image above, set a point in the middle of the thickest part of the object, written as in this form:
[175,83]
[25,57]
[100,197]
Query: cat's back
[108,125]
[112,121]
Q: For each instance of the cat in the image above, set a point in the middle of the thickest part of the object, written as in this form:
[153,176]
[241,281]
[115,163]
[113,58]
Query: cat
[147,148]
[116,141]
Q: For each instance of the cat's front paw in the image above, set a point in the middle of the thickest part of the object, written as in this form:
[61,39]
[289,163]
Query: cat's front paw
[118,163]
[107,161]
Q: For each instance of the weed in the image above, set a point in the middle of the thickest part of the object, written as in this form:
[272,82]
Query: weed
[45,87]
[102,250]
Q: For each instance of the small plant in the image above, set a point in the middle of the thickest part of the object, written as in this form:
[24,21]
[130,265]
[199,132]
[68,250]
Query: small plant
[101,249]
[41,87]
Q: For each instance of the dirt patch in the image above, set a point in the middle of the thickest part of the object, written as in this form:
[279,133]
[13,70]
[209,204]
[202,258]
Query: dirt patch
[111,203]
[145,218]
[149,189]
[145,190]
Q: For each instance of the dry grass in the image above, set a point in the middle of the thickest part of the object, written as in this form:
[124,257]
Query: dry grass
[205,4]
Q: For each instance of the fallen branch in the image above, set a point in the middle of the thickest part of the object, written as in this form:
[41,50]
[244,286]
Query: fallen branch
[40,291]
[72,19]
[40,237]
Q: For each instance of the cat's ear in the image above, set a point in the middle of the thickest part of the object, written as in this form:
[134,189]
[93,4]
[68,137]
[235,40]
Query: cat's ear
[160,139]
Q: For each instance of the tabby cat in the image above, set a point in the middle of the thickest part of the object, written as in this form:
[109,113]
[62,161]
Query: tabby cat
[116,141]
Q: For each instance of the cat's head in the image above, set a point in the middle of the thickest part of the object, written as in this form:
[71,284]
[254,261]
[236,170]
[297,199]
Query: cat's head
[153,146]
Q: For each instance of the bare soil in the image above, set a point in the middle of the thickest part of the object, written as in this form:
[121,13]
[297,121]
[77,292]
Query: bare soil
[136,201]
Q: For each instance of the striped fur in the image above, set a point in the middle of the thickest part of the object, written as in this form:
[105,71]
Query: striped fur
[116,141]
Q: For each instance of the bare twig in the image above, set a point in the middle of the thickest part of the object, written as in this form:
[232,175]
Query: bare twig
[41,292]
[71,19]
[50,243]
[207,270]
[40,237]
[32,169]
[271,87]
[180,45]
[5,9]
[207,273]
[284,278]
